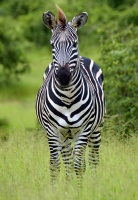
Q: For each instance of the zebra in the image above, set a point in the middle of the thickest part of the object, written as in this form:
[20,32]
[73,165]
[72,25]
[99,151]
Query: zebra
[70,104]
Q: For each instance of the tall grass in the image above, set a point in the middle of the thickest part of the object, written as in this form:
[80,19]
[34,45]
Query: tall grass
[24,171]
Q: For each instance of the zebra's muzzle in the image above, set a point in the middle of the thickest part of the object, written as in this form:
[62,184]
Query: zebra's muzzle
[63,75]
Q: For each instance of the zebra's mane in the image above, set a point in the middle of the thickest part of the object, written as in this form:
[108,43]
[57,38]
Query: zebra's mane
[61,17]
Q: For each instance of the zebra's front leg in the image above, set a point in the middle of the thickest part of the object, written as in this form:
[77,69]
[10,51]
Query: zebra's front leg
[67,157]
[54,159]
[79,159]
[94,144]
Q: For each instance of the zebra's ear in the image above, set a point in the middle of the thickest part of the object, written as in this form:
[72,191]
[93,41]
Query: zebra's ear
[79,20]
[49,20]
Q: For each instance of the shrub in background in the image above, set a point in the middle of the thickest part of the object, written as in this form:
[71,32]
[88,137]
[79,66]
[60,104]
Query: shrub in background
[119,60]
[12,53]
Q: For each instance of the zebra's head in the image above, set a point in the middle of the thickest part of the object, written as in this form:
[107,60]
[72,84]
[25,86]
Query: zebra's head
[64,43]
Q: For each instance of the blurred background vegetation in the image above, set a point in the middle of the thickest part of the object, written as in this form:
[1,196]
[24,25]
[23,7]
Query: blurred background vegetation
[109,38]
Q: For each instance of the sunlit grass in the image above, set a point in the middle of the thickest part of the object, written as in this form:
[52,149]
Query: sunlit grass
[24,171]
[19,114]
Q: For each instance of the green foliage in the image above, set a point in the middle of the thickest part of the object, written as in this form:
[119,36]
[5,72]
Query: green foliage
[17,8]
[12,56]
[128,17]
[35,31]
[122,3]
[120,63]
[18,34]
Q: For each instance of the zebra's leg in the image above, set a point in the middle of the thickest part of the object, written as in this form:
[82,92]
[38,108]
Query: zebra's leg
[79,159]
[54,167]
[67,156]
[94,144]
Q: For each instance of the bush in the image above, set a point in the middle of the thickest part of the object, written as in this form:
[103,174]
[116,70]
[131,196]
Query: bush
[12,56]
[120,63]
[16,8]
[28,15]
[122,3]
[35,31]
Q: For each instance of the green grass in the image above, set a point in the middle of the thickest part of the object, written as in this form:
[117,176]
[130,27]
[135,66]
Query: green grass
[19,114]
[24,173]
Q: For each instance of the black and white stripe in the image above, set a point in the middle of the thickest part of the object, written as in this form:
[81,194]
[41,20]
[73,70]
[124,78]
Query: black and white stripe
[72,110]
